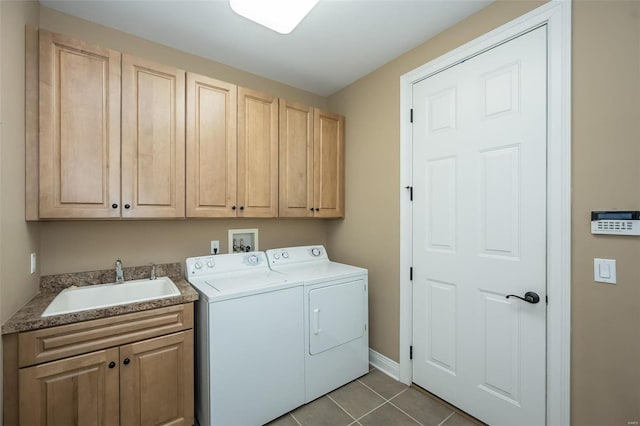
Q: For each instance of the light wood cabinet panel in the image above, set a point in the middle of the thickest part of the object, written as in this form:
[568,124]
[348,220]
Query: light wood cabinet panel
[211,147]
[53,343]
[157,381]
[257,154]
[82,390]
[328,164]
[31,124]
[311,162]
[148,380]
[296,160]
[79,114]
[153,139]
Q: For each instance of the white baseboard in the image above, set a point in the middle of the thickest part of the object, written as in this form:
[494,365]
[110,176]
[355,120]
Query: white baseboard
[384,364]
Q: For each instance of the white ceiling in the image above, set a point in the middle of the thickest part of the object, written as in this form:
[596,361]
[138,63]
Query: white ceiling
[337,43]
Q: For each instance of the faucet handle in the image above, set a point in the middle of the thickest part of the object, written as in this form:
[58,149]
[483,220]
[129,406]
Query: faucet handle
[153,271]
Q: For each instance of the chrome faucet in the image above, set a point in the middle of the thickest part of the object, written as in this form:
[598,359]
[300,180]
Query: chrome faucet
[119,274]
[153,271]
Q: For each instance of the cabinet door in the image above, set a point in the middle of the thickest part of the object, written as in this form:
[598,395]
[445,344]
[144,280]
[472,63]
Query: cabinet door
[296,160]
[79,129]
[328,164]
[211,147]
[77,391]
[257,154]
[156,381]
[152,139]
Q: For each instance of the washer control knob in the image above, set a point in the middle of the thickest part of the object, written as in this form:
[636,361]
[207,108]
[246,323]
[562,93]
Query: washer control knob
[198,265]
[210,264]
[253,259]
[285,254]
[276,255]
[315,251]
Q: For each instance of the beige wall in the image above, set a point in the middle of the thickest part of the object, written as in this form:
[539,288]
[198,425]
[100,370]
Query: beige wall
[370,233]
[80,246]
[606,175]
[17,238]
[86,246]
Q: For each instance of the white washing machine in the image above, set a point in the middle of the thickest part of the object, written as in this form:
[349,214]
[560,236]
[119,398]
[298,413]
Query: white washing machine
[336,338]
[249,340]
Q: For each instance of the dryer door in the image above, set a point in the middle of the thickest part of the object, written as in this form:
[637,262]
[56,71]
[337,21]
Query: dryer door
[336,315]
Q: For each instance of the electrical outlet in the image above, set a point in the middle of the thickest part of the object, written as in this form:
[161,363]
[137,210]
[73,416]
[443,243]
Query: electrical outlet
[215,247]
[33,263]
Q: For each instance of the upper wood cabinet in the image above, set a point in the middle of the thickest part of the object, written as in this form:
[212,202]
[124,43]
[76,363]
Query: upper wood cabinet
[153,139]
[117,136]
[257,154]
[296,160]
[79,144]
[311,162]
[211,147]
[328,164]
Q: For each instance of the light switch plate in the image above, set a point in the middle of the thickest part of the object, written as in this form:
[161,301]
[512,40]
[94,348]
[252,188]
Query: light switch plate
[32,261]
[604,270]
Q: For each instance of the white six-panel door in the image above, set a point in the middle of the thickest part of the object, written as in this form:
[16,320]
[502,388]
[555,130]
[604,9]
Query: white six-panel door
[479,232]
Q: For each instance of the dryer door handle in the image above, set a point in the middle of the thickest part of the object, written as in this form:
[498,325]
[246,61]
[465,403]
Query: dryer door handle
[316,321]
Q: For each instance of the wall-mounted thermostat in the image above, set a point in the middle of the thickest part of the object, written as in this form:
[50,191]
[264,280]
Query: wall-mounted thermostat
[616,223]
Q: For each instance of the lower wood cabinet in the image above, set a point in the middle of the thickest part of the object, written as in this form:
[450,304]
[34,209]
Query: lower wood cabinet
[142,383]
[156,381]
[81,390]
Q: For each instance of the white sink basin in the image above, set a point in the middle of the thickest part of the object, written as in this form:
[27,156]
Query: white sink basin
[75,299]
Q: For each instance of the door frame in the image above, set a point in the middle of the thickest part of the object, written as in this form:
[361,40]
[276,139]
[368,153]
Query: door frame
[556,14]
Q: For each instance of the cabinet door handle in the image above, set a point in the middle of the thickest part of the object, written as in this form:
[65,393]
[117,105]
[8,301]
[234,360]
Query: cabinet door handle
[114,205]
[112,364]
[126,206]
[311,209]
[241,207]
[233,207]
[317,209]
[127,361]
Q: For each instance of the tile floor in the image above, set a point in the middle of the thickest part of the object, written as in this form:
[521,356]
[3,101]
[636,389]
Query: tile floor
[375,400]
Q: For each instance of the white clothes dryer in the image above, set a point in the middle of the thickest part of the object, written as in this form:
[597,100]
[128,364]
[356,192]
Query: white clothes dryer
[249,340]
[336,321]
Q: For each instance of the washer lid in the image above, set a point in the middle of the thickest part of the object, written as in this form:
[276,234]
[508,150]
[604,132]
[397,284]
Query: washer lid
[218,287]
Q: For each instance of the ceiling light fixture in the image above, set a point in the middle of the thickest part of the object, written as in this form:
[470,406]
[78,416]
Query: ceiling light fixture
[278,15]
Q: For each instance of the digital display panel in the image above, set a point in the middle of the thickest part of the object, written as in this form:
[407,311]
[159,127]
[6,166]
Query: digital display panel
[615,215]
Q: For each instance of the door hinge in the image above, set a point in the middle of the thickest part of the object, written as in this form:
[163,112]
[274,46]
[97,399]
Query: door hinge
[411,115]
[410,352]
[410,188]
[411,273]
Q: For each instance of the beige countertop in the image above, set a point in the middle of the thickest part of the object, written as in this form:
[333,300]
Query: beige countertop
[29,317]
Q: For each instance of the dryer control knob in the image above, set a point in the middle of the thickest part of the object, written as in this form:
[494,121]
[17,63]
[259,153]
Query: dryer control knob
[315,251]
[198,265]
[276,256]
[253,259]
[210,264]
[285,254]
